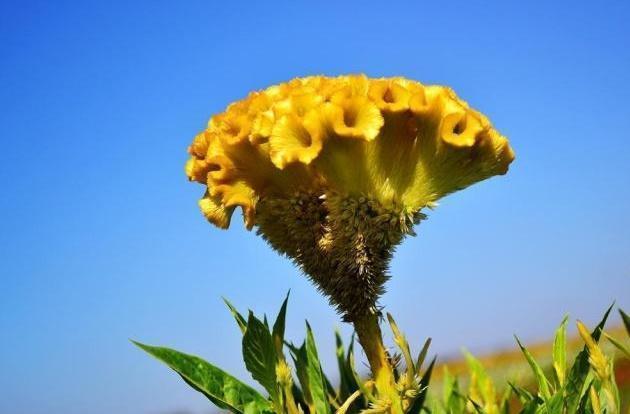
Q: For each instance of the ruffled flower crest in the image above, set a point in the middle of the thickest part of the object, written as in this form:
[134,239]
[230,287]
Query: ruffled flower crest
[334,172]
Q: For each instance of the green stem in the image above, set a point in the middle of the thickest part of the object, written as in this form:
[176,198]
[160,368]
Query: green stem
[371,339]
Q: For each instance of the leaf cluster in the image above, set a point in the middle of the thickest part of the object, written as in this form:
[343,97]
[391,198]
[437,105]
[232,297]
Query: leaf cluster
[585,386]
[298,385]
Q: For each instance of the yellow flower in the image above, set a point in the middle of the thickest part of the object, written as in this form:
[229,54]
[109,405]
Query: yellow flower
[334,172]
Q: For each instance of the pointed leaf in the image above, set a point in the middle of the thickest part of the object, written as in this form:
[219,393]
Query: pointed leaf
[403,345]
[583,406]
[453,401]
[612,391]
[331,393]
[543,384]
[351,375]
[422,355]
[555,403]
[560,352]
[626,320]
[418,402]
[240,320]
[524,395]
[484,382]
[344,376]
[298,396]
[260,356]
[577,375]
[221,388]
[315,375]
[278,327]
[595,404]
[621,347]
[478,408]
[300,359]
[504,406]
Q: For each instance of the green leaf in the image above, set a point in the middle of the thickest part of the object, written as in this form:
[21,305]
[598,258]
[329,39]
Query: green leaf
[478,408]
[298,396]
[555,404]
[422,355]
[579,370]
[543,384]
[614,390]
[345,384]
[453,401]
[315,375]
[330,390]
[504,405]
[621,347]
[626,320]
[278,327]
[532,408]
[351,375]
[242,323]
[218,386]
[584,405]
[524,395]
[484,383]
[560,352]
[418,402]
[403,345]
[300,359]
[260,356]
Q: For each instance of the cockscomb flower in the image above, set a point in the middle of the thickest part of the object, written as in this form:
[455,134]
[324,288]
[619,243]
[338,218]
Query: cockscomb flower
[334,172]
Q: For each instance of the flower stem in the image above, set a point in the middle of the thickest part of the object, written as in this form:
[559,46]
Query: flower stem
[371,339]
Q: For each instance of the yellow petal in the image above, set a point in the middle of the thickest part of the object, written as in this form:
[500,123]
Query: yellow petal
[262,127]
[459,127]
[409,145]
[389,96]
[237,194]
[220,169]
[234,127]
[199,146]
[297,105]
[350,86]
[197,170]
[295,140]
[355,118]
[213,209]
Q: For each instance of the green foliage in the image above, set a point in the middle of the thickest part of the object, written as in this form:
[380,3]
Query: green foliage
[240,320]
[560,352]
[626,320]
[260,356]
[315,375]
[624,349]
[221,388]
[543,383]
[574,389]
[586,386]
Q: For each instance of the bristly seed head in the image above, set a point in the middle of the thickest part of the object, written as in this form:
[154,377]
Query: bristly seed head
[343,244]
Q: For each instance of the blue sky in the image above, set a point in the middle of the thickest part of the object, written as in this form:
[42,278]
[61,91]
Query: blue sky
[101,239]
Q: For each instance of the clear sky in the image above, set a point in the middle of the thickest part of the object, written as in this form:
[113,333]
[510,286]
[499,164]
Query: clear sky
[101,239]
